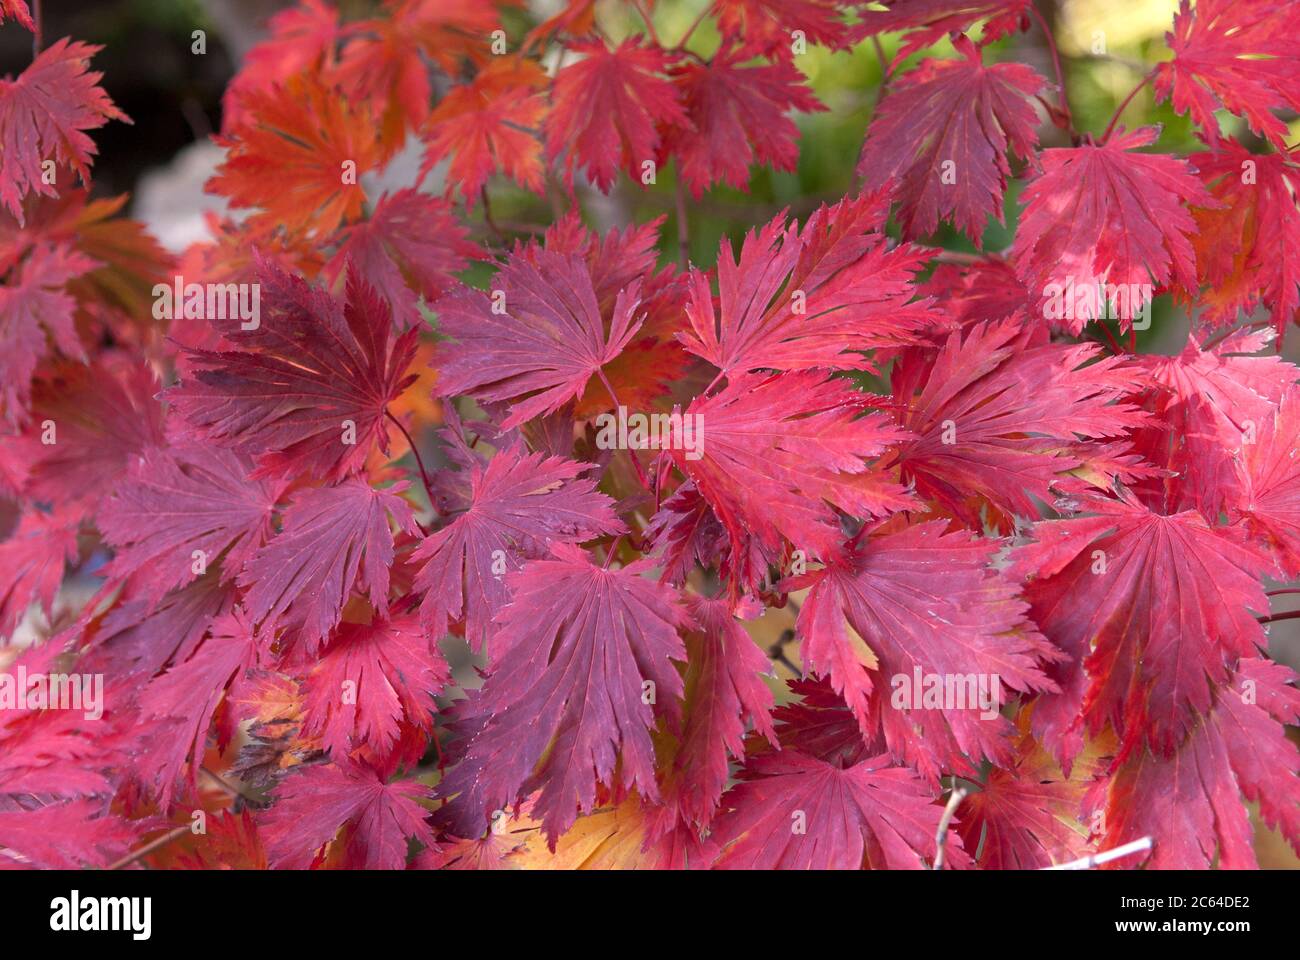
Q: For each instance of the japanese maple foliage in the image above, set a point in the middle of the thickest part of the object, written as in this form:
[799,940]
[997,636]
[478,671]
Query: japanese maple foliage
[456,552]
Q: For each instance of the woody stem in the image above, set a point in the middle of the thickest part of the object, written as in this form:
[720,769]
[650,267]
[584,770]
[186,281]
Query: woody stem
[649,24]
[636,464]
[1056,64]
[415,452]
[1120,109]
[148,848]
[1273,618]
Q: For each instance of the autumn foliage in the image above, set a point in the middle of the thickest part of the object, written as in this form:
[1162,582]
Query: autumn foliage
[368,585]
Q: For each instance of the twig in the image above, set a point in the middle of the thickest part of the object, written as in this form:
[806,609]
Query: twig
[613,549]
[230,788]
[38,35]
[649,24]
[683,228]
[1274,618]
[636,464]
[1056,64]
[1120,109]
[941,835]
[148,848]
[1227,332]
[1096,859]
[1279,592]
[776,652]
[690,31]
[487,215]
[428,486]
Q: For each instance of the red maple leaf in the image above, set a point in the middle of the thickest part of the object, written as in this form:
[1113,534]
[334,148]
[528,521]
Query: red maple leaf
[44,115]
[409,247]
[940,140]
[606,110]
[230,843]
[1234,55]
[736,116]
[32,560]
[88,422]
[909,629]
[1102,215]
[71,835]
[332,540]
[309,390]
[1028,815]
[519,503]
[1248,249]
[1207,403]
[812,298]
[1152,611]
[583,667]
[536,340]
[312,805]
[18,10]
[36,305]
[369,681]
[141,636]
[929,21]
[299,40]
[997,422]
[768,27]
[1190,803]
[794,812]
[1268,496]
[182,508]
[298,162]
[183,702]
[485,127]
[778,452]
[724,689]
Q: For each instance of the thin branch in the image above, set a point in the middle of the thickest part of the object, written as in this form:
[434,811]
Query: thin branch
[237,794]
[1274,618]
[690,31]
[1124,103]
[1096,859]
[1226,332]
[148,848]
[1280,591]
[683,228]
[1056,64]
[428,486]
[487,215]
[38,35]
[649,24]
[776,652]
[613,549]
[941,835]
[636,464]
